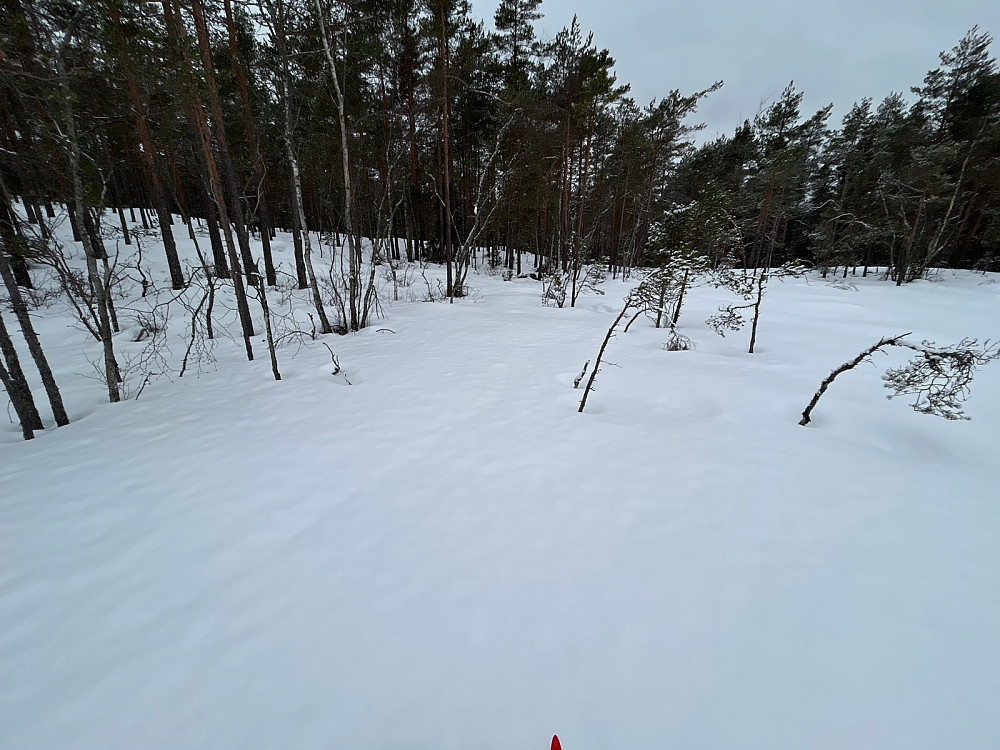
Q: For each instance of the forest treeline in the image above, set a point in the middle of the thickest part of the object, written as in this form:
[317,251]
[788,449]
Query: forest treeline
[407,119]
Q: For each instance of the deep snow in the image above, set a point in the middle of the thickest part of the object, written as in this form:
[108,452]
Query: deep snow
[445,555]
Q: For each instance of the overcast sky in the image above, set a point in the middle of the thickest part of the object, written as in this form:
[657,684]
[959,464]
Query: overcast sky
[837,51]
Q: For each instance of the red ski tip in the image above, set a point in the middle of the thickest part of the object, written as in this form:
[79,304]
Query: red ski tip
[555,742]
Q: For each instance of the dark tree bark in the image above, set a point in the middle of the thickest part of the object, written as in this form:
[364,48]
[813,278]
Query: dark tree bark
[74,224]
[210,210]
[17,385]
[159,198]
[96,241]
[119,209]
[7,382]
[14,243]
[34,345]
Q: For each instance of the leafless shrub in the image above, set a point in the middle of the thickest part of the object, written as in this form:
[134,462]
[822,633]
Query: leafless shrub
[44,293]
[432,292]
[843,285]
[149,324]
[136,369]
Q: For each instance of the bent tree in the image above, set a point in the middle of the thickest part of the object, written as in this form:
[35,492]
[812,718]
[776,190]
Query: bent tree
[630,303]
[939,377]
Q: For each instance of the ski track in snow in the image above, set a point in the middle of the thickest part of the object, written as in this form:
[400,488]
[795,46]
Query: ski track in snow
[445,555]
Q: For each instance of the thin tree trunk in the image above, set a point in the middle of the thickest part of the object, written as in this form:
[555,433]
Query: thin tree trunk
[90,229]
[354,248]
[297,205]
[111,373]
[262,291]
[221,140]
[211,212]
[761,281]
[149,165]
[119,209]
[17,385]
[34,345]
[324,321]
[74,225]
[578,238]
[263,214]
[159,199]
[903,271]
[220,203]
[7,382]
[680,299]
[300,259]
[10,234]
[446,146]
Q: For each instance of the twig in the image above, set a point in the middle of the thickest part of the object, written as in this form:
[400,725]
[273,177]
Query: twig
[337,369]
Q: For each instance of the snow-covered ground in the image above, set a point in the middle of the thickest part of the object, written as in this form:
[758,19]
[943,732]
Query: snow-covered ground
[446,555]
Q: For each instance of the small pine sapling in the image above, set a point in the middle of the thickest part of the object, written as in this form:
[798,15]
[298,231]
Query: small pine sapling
[677,342]
[662,290]
[741,283]
[594,275]
[554,290]
[751,287]
[939,377]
